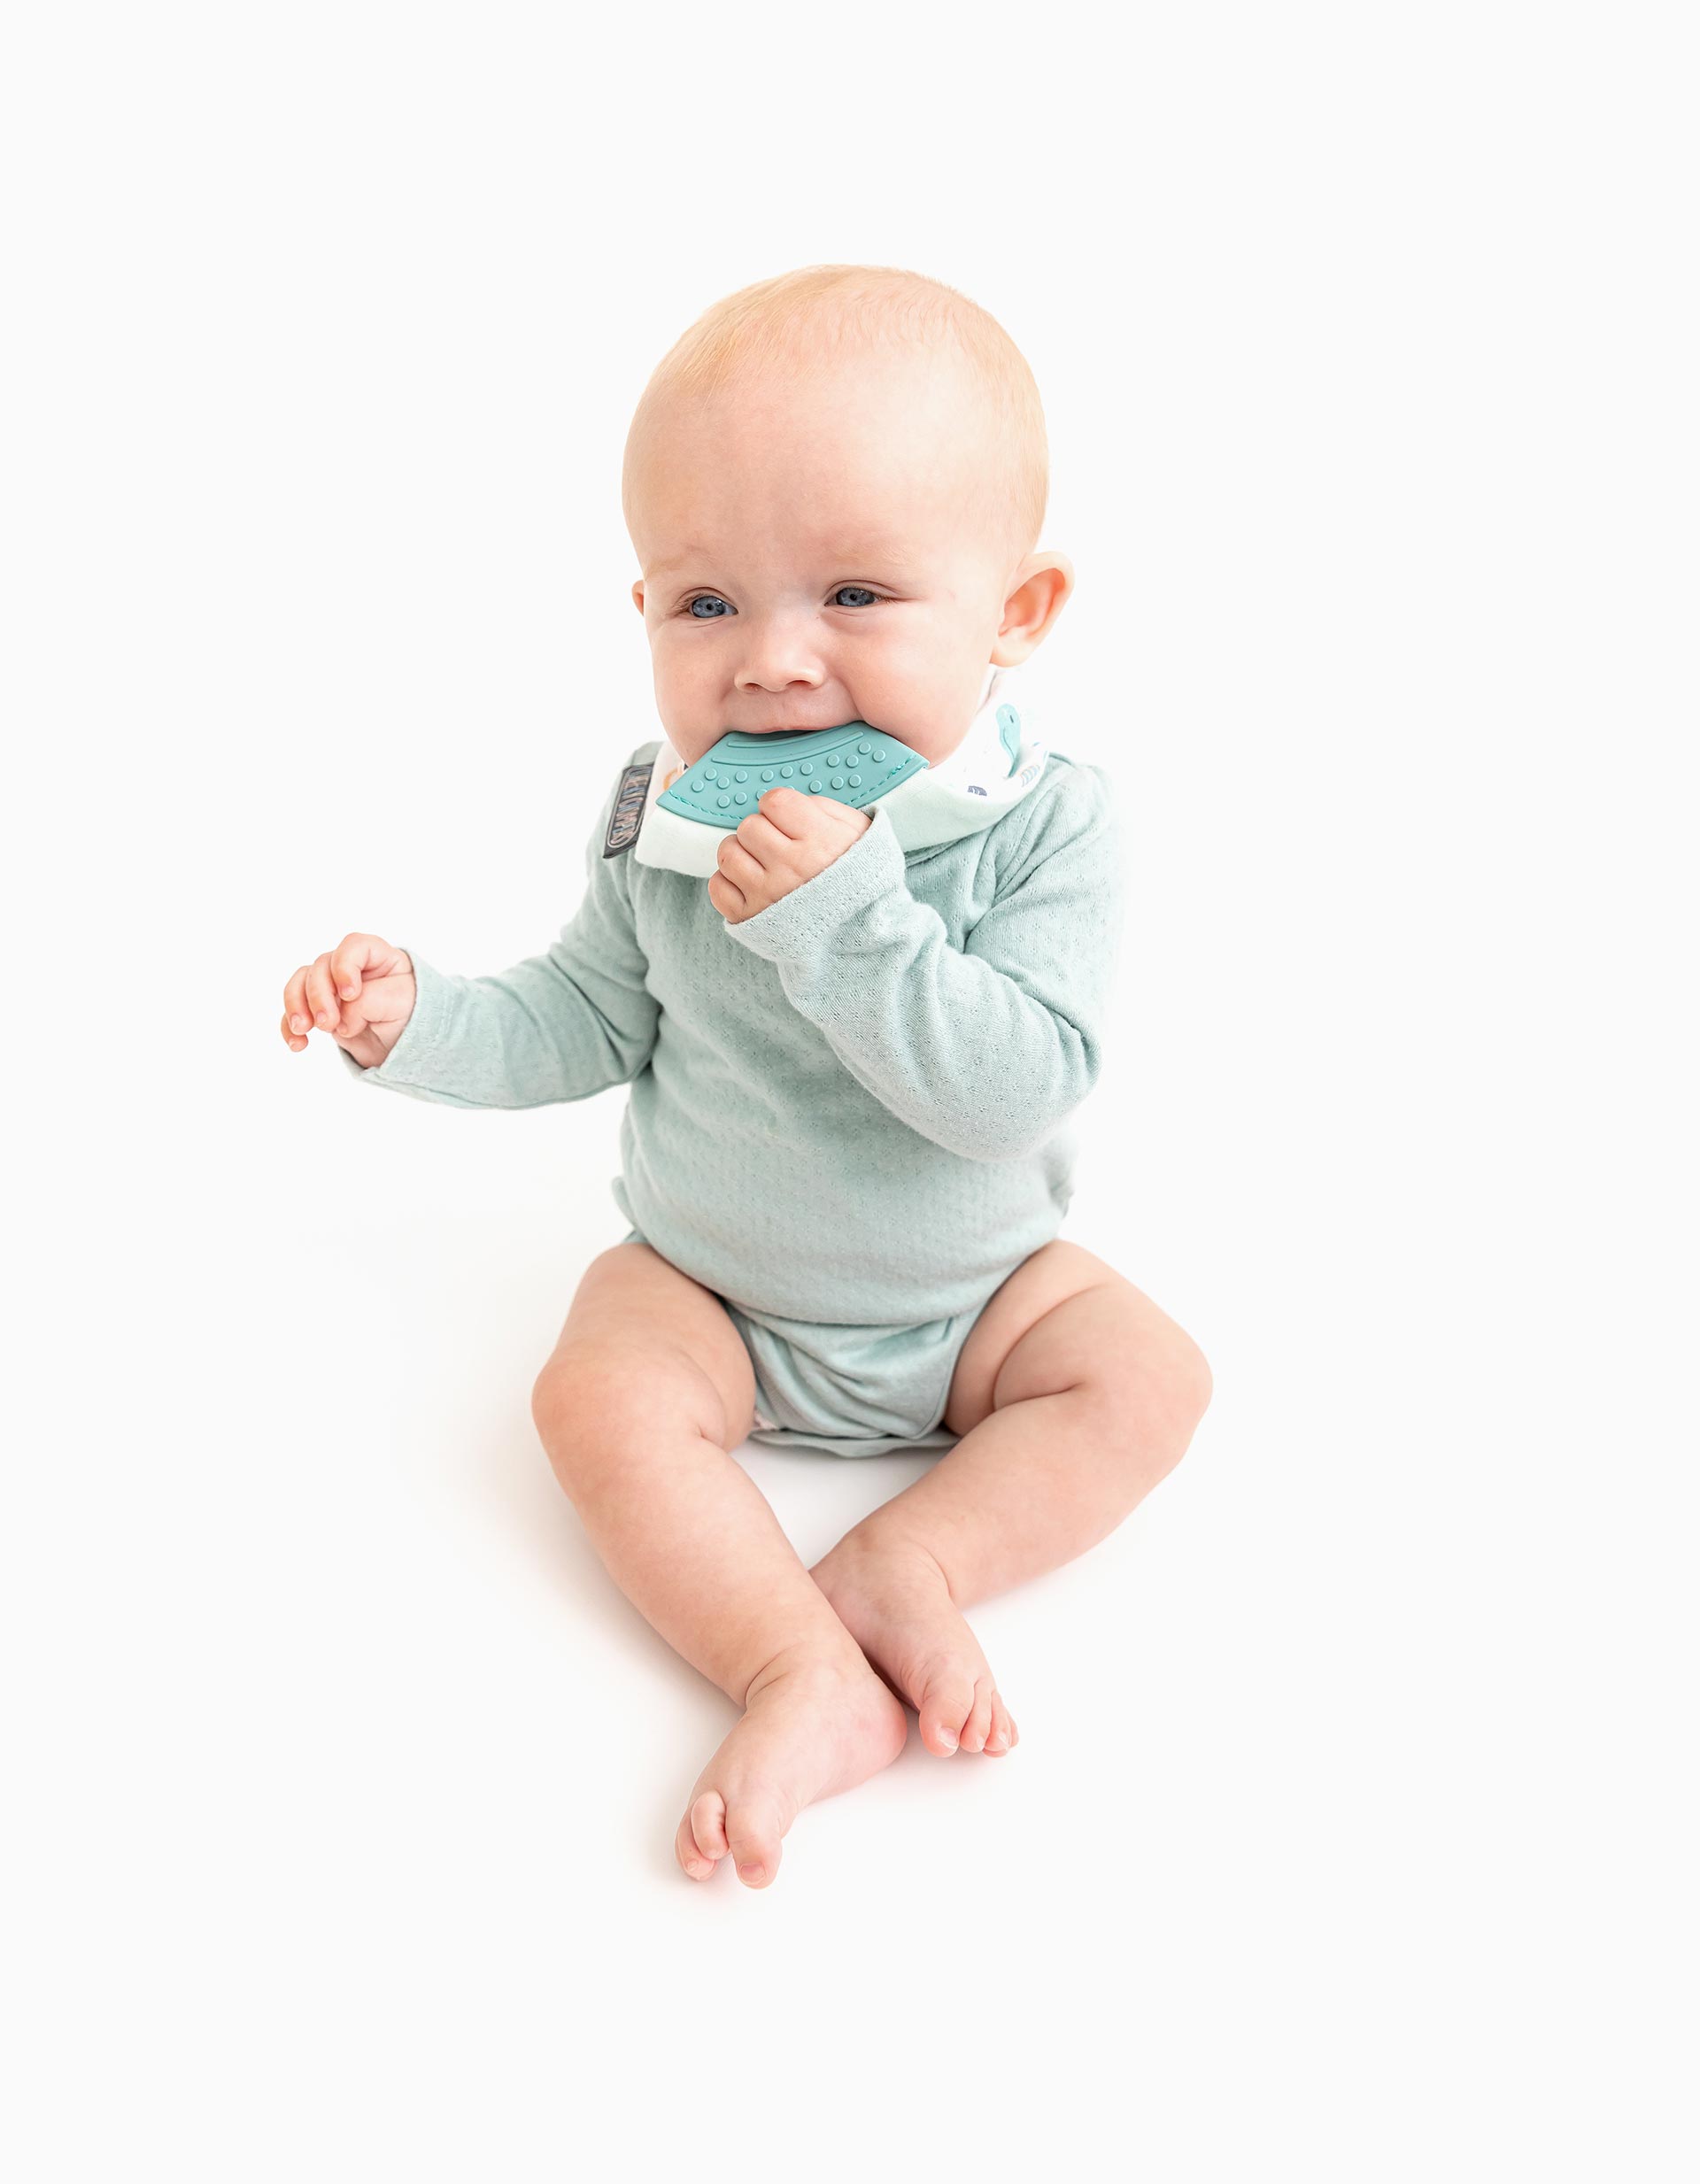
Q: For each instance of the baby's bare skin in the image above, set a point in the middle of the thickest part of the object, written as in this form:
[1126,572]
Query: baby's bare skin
[649,1388]
[893,1598]
[812,1726]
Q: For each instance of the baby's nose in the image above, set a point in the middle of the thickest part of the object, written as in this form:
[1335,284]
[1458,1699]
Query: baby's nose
[779,658]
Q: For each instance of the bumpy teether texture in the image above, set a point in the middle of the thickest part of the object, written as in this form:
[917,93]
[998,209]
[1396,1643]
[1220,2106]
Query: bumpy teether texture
[852,765]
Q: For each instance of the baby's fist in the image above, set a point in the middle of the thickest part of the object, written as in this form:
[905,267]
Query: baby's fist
[786,840]
[361,991]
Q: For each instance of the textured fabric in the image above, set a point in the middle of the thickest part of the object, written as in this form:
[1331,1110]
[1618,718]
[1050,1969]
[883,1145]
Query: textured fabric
[850,1109]
[850,1391]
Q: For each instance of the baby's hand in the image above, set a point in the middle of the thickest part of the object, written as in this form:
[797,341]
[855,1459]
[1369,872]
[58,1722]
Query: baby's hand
[787,839]
[361,991]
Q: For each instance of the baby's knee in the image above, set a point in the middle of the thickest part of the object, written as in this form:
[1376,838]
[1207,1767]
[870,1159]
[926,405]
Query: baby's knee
[1190,1382]
[589,1400]
[600,1402]
[1157,1379]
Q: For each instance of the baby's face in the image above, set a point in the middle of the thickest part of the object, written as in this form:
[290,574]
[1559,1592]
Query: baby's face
[817,552]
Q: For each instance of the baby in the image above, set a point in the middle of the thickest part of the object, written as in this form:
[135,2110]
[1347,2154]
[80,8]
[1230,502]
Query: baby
[854,1025]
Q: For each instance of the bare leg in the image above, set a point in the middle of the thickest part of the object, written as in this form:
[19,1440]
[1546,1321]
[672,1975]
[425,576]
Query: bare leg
[1074,1395]
[647,1390]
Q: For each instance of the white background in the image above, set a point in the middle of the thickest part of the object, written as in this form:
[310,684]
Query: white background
[1351,1832]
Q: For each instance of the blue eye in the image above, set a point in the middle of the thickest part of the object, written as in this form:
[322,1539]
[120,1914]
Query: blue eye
[713,600]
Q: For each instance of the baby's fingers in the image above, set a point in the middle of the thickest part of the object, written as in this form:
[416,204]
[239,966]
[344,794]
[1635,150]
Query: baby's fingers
[321,995]
[297,1015]
[383,1001]
[374,1003]
[362,954]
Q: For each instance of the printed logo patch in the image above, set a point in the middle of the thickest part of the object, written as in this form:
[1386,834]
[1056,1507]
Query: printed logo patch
[628,813]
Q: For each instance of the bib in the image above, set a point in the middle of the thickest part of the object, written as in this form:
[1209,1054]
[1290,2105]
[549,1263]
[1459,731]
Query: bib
[688,810]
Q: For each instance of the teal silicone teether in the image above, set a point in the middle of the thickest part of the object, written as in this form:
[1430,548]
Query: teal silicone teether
[852,765]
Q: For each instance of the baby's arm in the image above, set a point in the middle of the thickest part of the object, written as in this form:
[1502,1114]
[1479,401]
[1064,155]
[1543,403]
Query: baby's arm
[984,1050]
[558,1026]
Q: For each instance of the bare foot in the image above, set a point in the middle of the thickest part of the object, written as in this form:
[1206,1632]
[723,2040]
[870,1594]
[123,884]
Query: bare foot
[892,1597]
[812,1726]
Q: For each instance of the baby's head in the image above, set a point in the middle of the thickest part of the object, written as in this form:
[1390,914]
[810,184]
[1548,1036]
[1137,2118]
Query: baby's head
[834,483]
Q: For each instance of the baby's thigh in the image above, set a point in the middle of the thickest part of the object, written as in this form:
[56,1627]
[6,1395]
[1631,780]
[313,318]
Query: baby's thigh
[1023,1343]
[643,1346]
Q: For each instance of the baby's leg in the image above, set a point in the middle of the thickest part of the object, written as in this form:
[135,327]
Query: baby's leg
[1073,1396]
[647,1389]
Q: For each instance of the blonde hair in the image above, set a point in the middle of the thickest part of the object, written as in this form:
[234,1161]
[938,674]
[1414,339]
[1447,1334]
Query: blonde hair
[827,310]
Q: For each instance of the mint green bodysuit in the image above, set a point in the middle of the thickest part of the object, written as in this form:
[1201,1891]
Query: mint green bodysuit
[848,1113]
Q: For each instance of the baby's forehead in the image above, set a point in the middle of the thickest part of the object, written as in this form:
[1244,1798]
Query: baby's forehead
[876,455]
[895,419]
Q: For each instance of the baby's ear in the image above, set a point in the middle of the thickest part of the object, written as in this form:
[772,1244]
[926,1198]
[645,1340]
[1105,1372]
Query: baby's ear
[637,596]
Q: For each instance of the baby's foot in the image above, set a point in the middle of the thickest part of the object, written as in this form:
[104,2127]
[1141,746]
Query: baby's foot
[892,1599]
[811,1727]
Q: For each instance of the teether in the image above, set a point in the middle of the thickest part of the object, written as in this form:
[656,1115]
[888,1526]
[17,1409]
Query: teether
[852,765]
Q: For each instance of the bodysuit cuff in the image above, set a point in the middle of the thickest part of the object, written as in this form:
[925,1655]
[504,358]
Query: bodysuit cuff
[803,922]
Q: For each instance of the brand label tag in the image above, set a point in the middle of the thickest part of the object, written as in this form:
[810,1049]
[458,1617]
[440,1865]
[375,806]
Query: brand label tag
[628,813]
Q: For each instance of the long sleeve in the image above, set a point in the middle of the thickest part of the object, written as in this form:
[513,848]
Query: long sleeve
[984,1050]
[559,1026]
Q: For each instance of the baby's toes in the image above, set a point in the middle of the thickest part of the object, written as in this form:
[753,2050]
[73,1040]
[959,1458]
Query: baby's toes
[701,1839]
[1003,1730]
[978,1727]
[945,1704]
[753,1831]
[690,1853]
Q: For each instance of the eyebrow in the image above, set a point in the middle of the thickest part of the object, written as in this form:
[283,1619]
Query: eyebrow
[865,551]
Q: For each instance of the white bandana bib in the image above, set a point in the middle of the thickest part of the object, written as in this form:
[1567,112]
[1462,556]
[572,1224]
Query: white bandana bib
[993,767]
